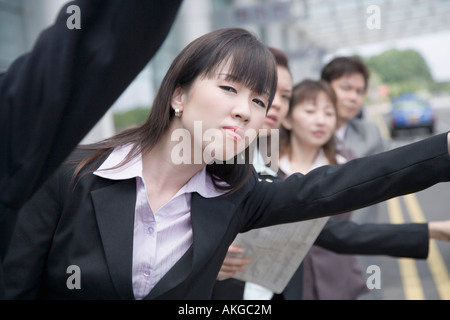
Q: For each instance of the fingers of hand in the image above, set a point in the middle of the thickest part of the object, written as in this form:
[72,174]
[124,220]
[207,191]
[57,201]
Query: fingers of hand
[234,264]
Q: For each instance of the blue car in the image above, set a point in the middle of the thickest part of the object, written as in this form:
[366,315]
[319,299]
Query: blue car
[410,111]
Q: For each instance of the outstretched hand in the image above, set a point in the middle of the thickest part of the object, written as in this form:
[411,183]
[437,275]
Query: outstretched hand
[448,142]
[439,230]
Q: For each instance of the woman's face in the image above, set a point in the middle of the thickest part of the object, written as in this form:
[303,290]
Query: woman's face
[222,116]
[312,123]
[280,104]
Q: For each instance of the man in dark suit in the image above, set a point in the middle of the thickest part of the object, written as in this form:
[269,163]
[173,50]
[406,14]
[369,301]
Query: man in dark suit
[51,97]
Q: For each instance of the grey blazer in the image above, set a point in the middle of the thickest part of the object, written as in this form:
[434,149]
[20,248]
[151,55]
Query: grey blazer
[364,138]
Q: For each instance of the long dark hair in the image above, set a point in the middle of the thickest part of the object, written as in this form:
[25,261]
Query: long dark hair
[308,90]
[251,64]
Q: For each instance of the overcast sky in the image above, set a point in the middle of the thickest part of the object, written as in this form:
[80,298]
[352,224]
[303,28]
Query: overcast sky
[435,48]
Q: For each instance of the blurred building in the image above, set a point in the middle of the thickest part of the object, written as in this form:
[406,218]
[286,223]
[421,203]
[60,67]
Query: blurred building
[307,30]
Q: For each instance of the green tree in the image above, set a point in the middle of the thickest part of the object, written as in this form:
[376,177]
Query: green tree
[130,118]
[402,70]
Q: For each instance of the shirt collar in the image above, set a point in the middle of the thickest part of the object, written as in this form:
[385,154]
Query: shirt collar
[129,170]
[321,160]
[340,133]
[201,182]
[260,166]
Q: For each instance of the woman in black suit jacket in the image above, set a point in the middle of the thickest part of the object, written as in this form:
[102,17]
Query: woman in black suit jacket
[222,83]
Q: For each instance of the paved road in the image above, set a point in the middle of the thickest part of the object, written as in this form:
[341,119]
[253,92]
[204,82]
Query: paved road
[409,279]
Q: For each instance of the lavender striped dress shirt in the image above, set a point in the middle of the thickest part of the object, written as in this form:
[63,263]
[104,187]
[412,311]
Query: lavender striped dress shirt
[162,237]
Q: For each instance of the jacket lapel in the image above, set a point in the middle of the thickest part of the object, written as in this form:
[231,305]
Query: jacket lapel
[353,139]
[115,218]
[210,219]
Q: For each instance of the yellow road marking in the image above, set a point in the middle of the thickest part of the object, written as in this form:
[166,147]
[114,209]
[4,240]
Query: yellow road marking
[410,277]
[408,270]
[436,263]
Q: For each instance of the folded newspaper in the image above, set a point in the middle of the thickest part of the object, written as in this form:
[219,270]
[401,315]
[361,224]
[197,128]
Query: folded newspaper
[276,252]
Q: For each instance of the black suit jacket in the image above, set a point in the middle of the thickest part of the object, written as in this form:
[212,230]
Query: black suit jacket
[51,97]
[91,225]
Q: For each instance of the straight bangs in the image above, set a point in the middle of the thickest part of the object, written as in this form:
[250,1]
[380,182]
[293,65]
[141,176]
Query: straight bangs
[308,90]
[306,93]
[250,63]
[253,72]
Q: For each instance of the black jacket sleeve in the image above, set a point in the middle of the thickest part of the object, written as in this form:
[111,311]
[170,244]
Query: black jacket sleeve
[51,97]
[398,240]
[334,189]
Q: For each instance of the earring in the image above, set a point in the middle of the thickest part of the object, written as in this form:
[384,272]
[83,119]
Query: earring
[178,113]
